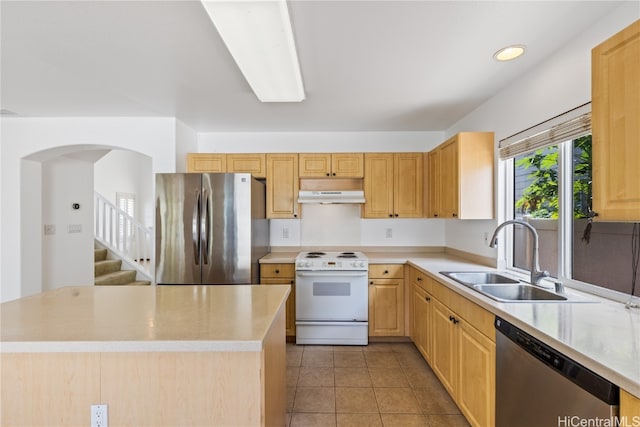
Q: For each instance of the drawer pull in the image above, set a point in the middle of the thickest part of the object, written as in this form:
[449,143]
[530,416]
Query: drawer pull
[277,271]
[419,279]
[427,299]
[386,272]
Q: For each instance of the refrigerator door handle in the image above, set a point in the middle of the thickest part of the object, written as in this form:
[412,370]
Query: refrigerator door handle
[205,226]
[195,229]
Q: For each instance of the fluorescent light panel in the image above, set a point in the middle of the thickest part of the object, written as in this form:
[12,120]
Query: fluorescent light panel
[259,36]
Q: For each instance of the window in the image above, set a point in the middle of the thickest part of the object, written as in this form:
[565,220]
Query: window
[550,188]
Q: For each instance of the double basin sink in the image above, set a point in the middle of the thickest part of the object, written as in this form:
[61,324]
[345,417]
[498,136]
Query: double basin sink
[502,288]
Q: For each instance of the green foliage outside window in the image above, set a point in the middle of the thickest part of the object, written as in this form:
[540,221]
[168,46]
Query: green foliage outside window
[540,198]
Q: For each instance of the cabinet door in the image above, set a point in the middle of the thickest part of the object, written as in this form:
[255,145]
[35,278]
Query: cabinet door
[378,185]
[314,165]
[476,372]
[282,186]
[449,180]
[386,307]
[616,126]
[205,162]
[290,310]
[433,193]
[408,182]
[249,163]
[444,346]
[421,321]
[347,165]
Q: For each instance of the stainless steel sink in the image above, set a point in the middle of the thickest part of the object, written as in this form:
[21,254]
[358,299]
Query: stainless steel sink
[518,292]
[471,278]
[503,288]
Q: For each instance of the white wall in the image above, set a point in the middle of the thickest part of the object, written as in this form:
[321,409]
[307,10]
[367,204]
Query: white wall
[123,171]
[67,181]
[559,84]
[41,140]
[316,142]
[341,225]
[186,142]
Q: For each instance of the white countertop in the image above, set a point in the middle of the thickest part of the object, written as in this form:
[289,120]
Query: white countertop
[603,336]
[142,318]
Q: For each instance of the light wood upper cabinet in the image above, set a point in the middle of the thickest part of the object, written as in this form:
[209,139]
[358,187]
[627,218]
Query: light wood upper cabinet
[386,300]
[255,164]
[221,163]
[433,184]
[461,177]
[343,165]
[393,185]
[282,186]
[615,125]
[206,162]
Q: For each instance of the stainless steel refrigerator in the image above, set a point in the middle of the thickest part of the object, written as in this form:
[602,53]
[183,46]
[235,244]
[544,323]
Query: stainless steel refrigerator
[211,229]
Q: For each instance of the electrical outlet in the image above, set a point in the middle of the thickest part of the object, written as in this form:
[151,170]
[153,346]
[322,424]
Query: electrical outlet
[285,232]
[99,416]
[389,233]
[49,229]
[74,228]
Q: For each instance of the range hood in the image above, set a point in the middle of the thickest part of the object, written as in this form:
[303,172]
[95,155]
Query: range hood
[335,196]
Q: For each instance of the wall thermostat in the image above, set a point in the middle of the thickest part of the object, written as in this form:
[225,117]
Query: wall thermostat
[76,206]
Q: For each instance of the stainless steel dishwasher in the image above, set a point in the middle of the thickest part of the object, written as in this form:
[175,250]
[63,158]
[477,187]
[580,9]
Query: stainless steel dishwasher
[537,386]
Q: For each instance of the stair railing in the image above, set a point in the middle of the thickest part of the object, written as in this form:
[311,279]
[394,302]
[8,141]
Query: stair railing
[123,235]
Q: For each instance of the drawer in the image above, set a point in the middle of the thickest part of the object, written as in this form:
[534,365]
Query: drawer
[386,271]
[277,270]
[419,278]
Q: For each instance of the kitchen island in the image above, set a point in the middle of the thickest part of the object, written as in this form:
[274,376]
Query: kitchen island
[159,355]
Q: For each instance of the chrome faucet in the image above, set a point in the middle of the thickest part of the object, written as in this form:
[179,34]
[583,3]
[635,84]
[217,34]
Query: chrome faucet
[536,273]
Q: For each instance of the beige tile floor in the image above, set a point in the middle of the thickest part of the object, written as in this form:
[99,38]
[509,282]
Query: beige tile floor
[382,384]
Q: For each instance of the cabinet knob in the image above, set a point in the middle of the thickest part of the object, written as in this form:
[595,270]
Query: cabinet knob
[292,281]
[419,279]
[277,271]
[454,214]
[334,174]
[295,215]
[371,283]
[396,215]
[386,272]
[327,173]
[435,215]
[427,299]
[390,216]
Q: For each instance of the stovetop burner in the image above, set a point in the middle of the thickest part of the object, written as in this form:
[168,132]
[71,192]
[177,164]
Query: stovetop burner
[330,260]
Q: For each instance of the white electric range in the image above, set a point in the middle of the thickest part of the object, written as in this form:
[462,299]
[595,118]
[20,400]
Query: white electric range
[332,298]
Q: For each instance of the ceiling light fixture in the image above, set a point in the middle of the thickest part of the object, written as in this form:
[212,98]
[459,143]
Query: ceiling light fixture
[259,37]
[510,52]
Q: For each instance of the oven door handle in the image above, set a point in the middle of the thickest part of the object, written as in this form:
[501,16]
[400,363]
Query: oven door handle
[332,274]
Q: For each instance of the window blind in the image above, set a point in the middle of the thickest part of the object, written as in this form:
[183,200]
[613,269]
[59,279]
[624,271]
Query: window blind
[565,127]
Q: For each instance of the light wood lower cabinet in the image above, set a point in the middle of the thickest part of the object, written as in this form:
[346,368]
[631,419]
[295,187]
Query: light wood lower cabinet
[282,274]
[421,312]
[461,350]
[629,408]
[386,300]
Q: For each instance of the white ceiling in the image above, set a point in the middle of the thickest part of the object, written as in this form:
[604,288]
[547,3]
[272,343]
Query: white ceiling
[366,65]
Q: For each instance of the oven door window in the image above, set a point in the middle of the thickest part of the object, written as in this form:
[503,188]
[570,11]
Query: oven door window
[331,289]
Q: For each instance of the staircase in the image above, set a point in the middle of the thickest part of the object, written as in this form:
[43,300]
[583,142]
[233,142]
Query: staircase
[108,272]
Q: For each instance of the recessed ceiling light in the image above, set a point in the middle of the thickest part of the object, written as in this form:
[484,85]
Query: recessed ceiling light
[510,52]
